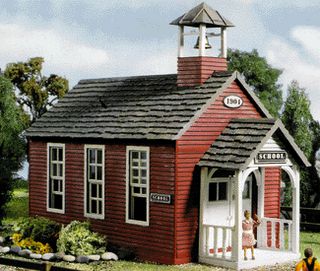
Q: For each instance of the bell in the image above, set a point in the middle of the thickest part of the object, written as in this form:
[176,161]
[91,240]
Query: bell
[207,46]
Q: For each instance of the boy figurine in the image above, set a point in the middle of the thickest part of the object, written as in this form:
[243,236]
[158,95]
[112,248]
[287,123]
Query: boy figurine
[309,263]
[248,240]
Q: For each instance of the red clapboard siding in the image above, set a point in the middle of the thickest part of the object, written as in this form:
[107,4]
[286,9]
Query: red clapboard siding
[271,198]
[153,243]
[189,149]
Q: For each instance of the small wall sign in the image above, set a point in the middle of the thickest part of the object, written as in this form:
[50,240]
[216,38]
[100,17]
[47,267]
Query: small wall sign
[160,198]
[232,101]
[271,157]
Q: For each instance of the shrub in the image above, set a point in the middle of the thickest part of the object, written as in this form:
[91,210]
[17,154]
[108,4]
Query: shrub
[39,229]
[77,239]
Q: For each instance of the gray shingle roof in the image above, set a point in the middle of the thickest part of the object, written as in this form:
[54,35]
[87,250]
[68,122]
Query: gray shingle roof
[241,140]
[202,14]
[142,107]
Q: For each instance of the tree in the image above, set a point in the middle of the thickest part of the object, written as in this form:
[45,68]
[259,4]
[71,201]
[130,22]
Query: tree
[259,75]
[35,92]
[12,144]
[299,122]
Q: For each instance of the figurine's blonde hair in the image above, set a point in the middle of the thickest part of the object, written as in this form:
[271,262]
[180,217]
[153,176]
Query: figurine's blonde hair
[246,212]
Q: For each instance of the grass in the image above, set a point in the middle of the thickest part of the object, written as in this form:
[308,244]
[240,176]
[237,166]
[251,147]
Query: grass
[18,207]
[312,240]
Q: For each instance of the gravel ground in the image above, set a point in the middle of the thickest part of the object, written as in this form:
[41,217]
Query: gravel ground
[273,268]
[11,268]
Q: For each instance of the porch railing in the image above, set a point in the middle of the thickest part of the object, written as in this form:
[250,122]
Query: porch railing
[275,233]
[216,241]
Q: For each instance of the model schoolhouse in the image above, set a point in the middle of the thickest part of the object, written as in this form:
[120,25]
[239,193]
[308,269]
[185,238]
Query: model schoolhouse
[165,165]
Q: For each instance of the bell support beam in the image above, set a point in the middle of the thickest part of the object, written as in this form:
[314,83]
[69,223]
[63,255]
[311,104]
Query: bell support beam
[224,42]
[202,40]
[181,41]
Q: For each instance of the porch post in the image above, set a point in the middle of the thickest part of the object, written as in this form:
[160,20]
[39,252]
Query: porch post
[236,237]
[204,176]
[261,206]
[296,212]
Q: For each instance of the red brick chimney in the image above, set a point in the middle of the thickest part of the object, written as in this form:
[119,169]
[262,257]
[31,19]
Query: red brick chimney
[195,70]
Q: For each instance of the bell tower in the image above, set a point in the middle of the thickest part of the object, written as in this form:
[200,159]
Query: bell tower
[201,21]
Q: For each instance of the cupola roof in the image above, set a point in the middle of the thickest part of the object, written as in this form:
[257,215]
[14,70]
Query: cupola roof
[202,14]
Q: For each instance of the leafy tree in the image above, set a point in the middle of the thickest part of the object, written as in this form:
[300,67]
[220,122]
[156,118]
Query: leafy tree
[259,75]
[35,92]
[298,120]
[314,160]
[12,144]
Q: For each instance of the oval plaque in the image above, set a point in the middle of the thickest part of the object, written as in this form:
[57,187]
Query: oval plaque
[232,101]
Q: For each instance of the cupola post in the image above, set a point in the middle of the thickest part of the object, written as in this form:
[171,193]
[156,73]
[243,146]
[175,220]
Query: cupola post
[195,70]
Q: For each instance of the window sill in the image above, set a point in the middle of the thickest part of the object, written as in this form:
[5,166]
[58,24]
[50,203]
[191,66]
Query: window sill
[58,211]
[92,216]
[138,223]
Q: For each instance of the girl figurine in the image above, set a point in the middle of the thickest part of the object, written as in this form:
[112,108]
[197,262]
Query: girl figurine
[248,240]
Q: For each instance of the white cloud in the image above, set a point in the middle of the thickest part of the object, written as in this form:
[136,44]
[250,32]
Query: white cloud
[309,38]
[62,53]
[298,63]
[276,4]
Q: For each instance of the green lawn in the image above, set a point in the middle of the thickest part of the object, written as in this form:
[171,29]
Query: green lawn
[18,207]
[310,239]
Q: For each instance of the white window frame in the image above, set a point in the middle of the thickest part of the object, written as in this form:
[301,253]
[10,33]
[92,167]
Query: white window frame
[147,150]
[86,214]
[218,181]
[58,145]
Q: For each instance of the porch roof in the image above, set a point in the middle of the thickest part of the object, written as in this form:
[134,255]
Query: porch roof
[242,139]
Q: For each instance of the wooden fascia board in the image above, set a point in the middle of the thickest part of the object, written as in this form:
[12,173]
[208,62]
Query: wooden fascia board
[253,96]
[205,107]
[277,126]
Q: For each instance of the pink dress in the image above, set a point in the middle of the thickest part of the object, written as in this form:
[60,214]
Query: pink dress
[248,239]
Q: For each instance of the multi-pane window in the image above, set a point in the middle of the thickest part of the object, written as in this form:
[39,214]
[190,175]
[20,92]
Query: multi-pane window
[218,191]
[138,185]
[94,191]
[56,177]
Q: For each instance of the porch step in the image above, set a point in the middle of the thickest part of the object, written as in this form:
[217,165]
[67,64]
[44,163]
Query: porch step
[266,257]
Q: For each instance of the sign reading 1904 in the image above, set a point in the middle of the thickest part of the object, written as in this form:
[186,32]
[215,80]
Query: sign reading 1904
[232,101]
[272,157]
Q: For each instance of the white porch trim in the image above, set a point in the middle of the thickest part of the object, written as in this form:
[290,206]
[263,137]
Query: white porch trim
[233,257]
[294,176]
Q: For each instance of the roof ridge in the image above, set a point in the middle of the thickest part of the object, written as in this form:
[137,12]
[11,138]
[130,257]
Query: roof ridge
[121,78]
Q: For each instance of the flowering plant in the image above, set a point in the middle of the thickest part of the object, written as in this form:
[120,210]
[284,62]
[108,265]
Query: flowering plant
[29,243]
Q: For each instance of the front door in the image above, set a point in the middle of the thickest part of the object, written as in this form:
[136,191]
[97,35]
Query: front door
[250,197]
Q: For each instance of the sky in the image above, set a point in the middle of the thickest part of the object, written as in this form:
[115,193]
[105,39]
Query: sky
[94,38]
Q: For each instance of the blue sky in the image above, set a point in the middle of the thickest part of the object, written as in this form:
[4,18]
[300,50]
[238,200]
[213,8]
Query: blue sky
[87,38]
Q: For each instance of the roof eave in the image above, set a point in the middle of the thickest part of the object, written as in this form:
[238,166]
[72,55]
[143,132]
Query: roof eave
[278,125]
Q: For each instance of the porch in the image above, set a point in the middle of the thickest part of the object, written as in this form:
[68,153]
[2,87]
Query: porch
[242,170]
[221,215]
[274,245]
